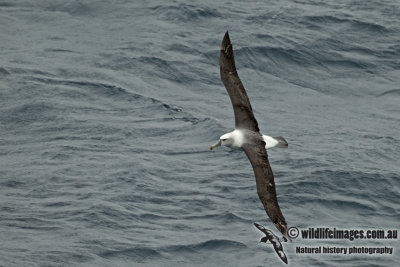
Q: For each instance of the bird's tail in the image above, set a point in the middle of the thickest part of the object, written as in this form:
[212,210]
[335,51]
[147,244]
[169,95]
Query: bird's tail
[281,142]
[277,141]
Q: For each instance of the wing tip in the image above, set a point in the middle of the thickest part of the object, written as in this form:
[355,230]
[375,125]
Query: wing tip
[226,34]
[226,59]
[282,227]
[257,226]
[226,41]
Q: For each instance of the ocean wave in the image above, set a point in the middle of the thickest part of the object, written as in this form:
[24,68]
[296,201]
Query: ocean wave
[323,20]
[225,217]
[138,254]
[256,56]
[7,4]
[271,59]
[391,92]
[184,12]
[77,8]
[115,92]
[28,113]
[212,244]
[4,72]
[362,207]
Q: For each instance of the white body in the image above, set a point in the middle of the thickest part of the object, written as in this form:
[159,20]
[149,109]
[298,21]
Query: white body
[236,139]
[233,139]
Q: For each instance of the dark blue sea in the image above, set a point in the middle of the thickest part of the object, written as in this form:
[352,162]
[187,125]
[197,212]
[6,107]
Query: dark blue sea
[108,109]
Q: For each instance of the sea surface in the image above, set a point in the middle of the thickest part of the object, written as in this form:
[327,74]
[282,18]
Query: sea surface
[108,108]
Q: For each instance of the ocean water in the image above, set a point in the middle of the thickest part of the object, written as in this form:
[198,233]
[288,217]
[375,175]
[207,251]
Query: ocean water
[108,109]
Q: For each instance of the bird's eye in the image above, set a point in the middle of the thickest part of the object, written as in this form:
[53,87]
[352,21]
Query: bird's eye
[223,140]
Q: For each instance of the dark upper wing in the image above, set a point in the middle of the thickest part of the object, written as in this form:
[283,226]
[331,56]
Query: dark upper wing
[274,240]
[265,183]
[261,228]
[279,250]
[244,117]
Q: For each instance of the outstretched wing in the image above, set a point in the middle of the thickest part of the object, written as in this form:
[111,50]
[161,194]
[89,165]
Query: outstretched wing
[265,183]
[274,240]
[244,117]
[261,228]
[279,250]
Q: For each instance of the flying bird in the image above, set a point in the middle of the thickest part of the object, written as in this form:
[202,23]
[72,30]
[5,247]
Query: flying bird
[274,240]
[247,136]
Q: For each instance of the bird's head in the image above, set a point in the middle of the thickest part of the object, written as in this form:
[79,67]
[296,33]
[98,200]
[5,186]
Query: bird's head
[224,140]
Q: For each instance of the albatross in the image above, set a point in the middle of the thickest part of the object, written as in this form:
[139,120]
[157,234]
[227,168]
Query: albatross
[247,136]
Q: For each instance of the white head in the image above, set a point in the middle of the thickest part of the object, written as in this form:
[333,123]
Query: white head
[227,139]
